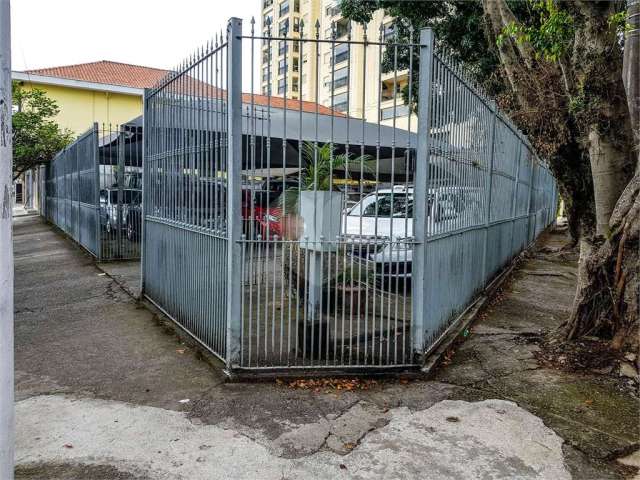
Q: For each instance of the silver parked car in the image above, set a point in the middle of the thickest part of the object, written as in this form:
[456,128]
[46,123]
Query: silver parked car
[380,226]
[131,200]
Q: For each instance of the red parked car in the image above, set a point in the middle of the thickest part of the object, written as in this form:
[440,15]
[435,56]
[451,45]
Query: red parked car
[265,213]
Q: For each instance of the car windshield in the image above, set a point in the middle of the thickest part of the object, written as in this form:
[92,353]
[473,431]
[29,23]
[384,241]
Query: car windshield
[387,205]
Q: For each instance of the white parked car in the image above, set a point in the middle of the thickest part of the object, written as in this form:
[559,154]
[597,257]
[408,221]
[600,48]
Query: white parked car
[379,228]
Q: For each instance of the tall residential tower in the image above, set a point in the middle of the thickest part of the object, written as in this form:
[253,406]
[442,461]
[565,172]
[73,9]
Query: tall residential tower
[350,80]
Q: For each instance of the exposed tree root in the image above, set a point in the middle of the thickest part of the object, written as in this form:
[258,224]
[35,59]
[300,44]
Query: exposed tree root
[606,303]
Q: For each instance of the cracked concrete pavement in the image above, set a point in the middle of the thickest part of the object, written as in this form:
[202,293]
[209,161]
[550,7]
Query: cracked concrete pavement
[104,391]
[149,442]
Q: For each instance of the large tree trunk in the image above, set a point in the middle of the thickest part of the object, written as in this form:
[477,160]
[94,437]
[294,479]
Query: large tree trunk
[609,167]
[606,302]
[586,104]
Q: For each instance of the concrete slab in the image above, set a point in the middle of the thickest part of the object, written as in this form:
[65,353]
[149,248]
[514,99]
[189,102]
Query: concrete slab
[126,273]
[451,440]
[77,331]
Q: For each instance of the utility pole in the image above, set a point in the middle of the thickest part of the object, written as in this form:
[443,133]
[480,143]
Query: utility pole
[6,250]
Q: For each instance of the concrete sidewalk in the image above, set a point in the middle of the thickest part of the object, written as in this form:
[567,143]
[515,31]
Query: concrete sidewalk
[104,391]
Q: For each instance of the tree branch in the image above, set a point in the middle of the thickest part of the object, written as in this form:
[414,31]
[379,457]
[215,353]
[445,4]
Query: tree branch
[20,172]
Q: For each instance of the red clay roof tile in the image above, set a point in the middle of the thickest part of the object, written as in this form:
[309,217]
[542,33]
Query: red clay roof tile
[137,76]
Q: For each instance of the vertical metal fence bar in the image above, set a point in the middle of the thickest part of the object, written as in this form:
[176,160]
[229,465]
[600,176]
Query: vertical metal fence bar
[147,186]
[234,207]
[120,152]
[96,165]
[420,282]
[488,195]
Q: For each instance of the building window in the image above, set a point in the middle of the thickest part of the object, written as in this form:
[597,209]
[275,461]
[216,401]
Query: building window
[267,3]
[282,66]
[342,27]
[294,84]
[340,79]
[296,6]
[283,28]
[296,47]
[265,56]
[281,85]
[389,32]
[265,74]
[296,24]
[340,101]
[284,8]
[332,10]
[283,47]
[400,111]
[266,90]
[341,53]
[296,64]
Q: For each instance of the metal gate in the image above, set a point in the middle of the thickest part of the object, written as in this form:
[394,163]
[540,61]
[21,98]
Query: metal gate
[301,231]
[93,191]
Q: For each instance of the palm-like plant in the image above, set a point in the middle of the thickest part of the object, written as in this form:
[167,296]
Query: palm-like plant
[321,164]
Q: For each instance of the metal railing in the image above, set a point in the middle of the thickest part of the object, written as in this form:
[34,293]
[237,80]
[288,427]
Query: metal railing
[93,191]
[285,234]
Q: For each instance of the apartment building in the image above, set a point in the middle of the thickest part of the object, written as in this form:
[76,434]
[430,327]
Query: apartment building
[349,80]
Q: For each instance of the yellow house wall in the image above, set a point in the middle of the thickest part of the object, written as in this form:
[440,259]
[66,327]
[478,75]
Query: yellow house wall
[80,108]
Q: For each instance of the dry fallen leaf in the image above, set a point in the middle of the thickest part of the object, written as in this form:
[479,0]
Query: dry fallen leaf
[68,445]
[180,350]
[327,385]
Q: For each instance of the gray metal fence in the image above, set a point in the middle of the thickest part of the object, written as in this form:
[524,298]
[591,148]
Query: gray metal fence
[286,234]
[93,191]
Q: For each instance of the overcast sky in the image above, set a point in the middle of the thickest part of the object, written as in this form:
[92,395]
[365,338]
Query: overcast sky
[154,33]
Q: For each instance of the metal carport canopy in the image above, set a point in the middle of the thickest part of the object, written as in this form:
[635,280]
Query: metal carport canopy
[305,126]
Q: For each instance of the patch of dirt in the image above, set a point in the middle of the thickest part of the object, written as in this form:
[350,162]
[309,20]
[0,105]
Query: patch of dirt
[589,355]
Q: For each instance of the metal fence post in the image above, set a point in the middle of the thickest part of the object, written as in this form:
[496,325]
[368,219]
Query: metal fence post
[96,163]
[76,192]
[421,194]
[145,186]
[120,182]
[531,180]
[488,192]
[514,199]
[7,418]
[234,206]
